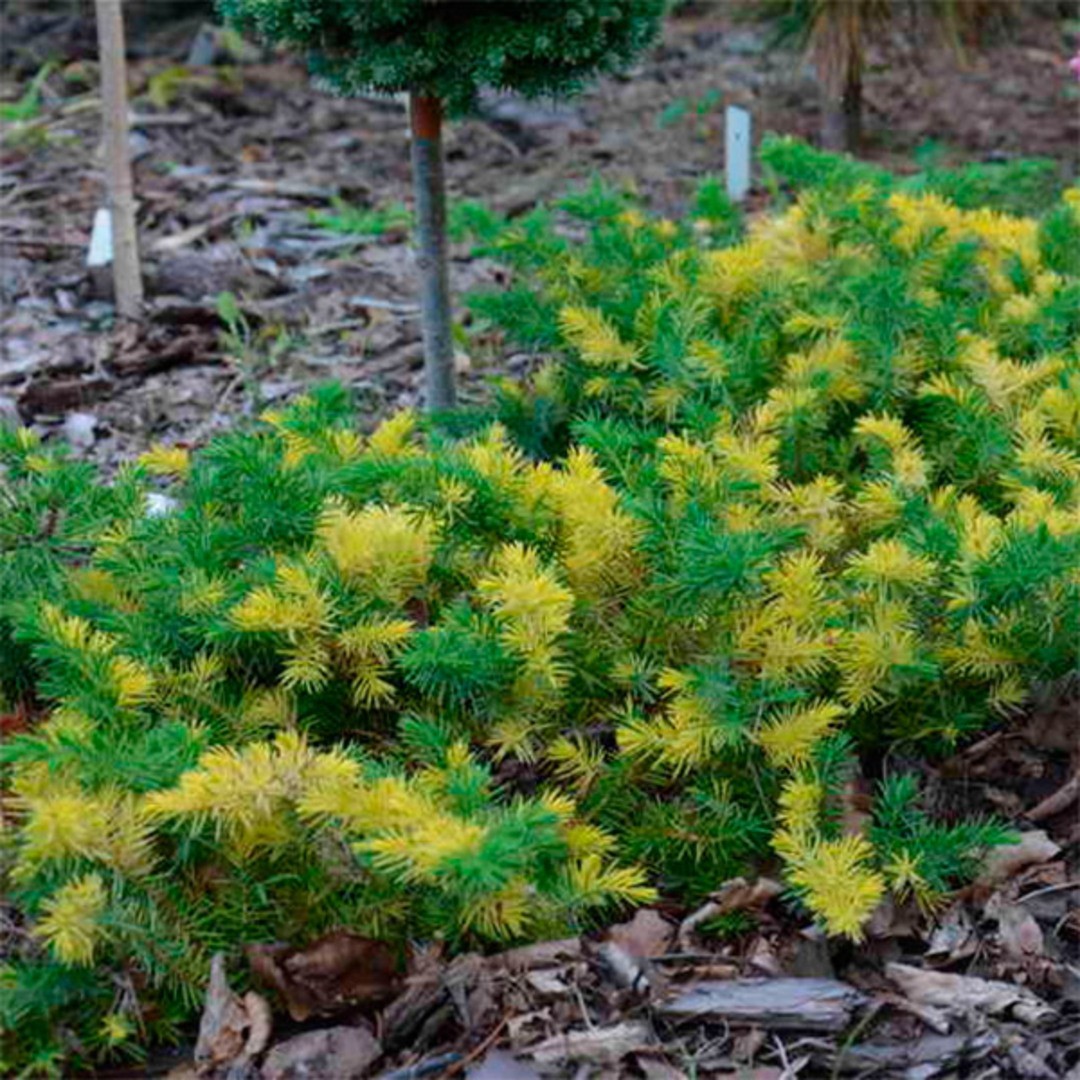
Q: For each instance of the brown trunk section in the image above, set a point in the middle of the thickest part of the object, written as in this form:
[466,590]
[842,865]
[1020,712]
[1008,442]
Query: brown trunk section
[841,121]
[429,184]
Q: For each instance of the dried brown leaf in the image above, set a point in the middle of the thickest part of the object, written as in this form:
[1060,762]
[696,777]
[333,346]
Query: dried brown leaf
[542,954]
[1020,935]
[597,1046]
[1009,859]
[340,969]
[647,935]
[962,994]
[953,938]
[232,1029]
[339,1052]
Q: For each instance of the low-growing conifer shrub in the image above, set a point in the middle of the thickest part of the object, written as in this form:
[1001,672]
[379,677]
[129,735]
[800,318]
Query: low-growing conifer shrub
[783,490]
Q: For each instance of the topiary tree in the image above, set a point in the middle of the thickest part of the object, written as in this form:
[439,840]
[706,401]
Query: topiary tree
[441,52]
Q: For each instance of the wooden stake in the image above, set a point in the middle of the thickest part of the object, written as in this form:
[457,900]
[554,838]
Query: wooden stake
[127,276]
[429,185]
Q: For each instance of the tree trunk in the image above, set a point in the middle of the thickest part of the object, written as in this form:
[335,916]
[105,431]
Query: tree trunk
[841,121]
[429,184]
[127,276]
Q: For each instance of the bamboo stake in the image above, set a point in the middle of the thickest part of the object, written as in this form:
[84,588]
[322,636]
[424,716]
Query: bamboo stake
[429,184]
[127,276]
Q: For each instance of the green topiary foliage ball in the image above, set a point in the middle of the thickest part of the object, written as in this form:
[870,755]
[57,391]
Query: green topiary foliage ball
[451,48]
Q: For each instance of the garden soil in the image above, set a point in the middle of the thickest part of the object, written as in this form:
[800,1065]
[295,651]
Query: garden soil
[231,156]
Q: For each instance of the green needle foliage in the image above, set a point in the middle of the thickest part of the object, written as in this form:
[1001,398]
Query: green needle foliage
[451,50]
[785,490]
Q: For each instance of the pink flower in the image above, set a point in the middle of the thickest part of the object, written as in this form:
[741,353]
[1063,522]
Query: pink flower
[1074,63]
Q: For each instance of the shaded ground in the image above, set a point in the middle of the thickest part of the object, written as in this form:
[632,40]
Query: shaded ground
[231,158]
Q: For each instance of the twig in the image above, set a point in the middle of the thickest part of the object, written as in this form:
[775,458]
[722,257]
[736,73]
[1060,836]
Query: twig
[385,305]
[176,241]
[1063,886]
[709,910]
[856,1031]
[43,242]
[584,1008]
[145,120]
[23,192]
[1061,799]
[931,1017]
[479,1050]
[337,327]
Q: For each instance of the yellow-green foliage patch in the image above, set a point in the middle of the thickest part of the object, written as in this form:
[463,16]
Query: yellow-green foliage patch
[768,502]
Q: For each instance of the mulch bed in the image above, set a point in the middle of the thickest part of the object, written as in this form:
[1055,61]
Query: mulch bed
[231,158]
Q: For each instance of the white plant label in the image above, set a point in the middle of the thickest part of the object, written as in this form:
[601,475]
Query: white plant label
[737,152]
[101,242]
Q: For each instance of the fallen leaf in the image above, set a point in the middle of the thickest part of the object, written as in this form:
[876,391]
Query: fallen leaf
[746,1045]
[339,1052]
[647,935]
[524,1028]
[1003,862]
[232,1029]
[597,1046]
[1051,724]
[338,970]
[953,938]
[1020,935]
[894,919]
[542,954]
[547,983]
[1058,802]
[961,994]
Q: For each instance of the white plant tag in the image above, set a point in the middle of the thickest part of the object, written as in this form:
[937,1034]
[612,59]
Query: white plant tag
[737,152]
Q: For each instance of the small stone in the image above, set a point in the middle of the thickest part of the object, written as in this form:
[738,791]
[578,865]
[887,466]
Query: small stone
[79,430]
[9,413]
[158,505]
[344,1053]
[744,43]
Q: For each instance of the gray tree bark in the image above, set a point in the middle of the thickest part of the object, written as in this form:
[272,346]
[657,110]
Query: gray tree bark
[429,184]
[127,275]
[841,121]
